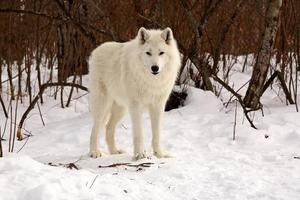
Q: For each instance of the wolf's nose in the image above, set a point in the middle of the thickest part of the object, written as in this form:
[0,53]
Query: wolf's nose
[155,68]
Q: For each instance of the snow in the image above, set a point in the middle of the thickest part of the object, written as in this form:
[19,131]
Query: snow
[206,163]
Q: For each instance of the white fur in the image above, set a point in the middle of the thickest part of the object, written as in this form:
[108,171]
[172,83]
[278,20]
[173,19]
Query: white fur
[121,80]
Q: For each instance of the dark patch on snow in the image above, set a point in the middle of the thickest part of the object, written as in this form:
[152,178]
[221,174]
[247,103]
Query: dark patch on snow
[176,100]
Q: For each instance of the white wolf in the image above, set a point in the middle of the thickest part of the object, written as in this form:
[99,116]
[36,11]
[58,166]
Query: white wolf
[137,75]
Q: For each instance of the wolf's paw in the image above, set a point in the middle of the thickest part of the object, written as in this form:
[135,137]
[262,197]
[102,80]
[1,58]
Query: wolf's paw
[95,153]
[117,151]
[160,154]
[140,155]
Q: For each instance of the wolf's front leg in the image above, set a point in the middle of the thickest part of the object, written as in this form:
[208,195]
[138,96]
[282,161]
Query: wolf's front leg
[156,113]
[137,131]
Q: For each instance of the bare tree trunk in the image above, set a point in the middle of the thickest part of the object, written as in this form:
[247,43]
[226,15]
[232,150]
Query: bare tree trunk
[297,64]
[1,151]
[261,67]
[19,80]
[9,74]
[28,79]
[3,107]
[245,63]
[0,75]
[9,64]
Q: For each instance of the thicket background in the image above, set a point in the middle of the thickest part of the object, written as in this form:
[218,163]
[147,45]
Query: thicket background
[60,35]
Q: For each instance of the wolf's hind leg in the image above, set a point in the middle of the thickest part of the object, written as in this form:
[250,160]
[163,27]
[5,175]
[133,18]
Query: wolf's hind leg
[100,108]
[94,140]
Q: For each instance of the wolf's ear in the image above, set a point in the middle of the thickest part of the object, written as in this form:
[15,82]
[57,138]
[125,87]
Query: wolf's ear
[143,35]
[167,35]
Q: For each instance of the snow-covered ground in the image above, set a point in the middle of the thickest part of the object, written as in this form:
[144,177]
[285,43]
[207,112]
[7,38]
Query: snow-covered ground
[207,163]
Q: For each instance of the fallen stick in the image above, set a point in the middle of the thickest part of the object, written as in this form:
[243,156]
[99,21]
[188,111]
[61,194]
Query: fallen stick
[146,164]
[69,165]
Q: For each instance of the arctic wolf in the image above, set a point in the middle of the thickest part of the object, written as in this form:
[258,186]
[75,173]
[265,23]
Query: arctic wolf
[134,76]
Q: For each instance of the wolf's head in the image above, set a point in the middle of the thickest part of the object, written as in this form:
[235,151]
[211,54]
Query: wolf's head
[156,48]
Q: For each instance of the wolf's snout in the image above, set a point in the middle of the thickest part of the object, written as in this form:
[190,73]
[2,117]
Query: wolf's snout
[154,69]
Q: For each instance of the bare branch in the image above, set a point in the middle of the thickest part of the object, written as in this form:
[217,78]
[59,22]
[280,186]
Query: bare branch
[79,24]
[31,106]
[238,96]
[3,107]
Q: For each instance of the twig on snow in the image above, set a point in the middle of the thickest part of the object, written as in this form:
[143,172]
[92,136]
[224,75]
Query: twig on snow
[234,125]
[145,164]
[41,116]
[68,165]
[1,150]
[93,182]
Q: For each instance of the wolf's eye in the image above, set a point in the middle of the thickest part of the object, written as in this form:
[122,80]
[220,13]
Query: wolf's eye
[148,53]
[161,53]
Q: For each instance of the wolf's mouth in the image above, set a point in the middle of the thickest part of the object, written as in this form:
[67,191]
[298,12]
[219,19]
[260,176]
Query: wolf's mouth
[155,73]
